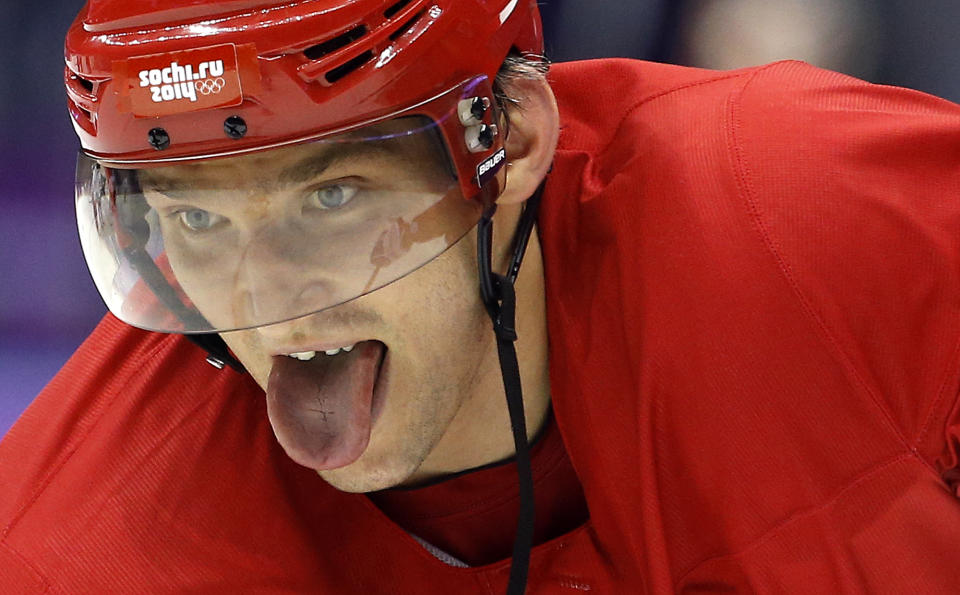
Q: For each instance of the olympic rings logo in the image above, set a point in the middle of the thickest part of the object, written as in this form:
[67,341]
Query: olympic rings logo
[210,86]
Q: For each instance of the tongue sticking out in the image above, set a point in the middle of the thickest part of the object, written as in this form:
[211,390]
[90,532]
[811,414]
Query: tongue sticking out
[320,409]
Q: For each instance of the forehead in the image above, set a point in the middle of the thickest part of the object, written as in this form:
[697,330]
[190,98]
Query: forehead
[408,144]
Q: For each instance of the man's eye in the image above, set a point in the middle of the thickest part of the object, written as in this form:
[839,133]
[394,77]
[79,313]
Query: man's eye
[199,220]
[331,197]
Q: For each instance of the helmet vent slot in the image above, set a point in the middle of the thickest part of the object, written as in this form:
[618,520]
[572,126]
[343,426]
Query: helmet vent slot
[87,85]
[320,50]
[84,88]
[83,112]
[346,68]
[406,26]
[82,116]
[395,8]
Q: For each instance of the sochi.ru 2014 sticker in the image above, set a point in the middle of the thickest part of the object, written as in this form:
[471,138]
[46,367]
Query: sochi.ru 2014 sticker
[185,81]
[181,82]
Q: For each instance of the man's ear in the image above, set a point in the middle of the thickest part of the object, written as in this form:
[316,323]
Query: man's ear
[534,128]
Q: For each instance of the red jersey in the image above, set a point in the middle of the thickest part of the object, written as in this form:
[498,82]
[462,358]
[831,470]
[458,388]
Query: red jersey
[753,295]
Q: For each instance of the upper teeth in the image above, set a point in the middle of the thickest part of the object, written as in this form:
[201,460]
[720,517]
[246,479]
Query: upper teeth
[305,356]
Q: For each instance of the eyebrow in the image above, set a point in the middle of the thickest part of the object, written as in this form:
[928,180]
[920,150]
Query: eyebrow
[306,169]
[314,165]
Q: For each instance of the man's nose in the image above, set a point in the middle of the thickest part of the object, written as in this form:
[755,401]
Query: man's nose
[275,278]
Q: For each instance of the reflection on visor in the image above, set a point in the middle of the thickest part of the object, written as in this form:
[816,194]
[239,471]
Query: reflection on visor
[239,242]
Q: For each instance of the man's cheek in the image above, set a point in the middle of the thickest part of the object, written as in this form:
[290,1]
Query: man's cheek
[251,354]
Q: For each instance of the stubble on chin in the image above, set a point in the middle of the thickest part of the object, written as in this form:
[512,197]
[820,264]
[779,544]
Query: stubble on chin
[371,480]
[395,455]
[373,473]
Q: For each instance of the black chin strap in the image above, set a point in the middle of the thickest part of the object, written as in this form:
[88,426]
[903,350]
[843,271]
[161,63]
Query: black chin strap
[501,301]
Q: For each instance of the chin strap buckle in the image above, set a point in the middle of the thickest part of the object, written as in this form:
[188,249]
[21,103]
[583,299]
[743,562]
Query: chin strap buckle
[504,308]
[216,362]
[218,354]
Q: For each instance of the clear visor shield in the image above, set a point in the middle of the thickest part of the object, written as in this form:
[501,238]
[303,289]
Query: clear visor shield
[245,241]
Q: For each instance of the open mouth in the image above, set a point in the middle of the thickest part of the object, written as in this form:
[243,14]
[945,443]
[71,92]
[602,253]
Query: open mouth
[323,404]
[306,356]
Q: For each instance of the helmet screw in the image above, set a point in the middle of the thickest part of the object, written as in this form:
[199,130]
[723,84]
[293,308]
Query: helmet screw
[473,110]
[235,127]
[158,139]
[480,138]
[479,107]
[486,135]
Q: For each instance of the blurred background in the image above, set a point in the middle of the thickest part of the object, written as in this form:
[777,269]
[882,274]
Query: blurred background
[48,303]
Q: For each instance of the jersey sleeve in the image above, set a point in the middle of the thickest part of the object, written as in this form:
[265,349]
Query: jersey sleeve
[855,190]
[17,576]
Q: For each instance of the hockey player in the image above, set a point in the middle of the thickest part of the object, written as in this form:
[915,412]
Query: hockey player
[728,362]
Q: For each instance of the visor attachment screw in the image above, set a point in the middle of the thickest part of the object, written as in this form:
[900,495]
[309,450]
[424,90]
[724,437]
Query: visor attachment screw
[158,139]
[473,110]
[480,138]
[235,127]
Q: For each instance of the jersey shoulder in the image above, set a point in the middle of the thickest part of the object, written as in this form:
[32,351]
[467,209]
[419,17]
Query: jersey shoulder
[134,433]
[60,419]
[848,188]
[854,189]
[602,101]
[759,269]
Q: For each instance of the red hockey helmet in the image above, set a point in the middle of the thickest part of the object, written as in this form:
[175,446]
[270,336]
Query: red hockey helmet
[183,107]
